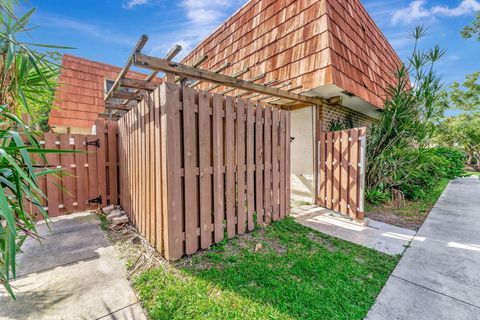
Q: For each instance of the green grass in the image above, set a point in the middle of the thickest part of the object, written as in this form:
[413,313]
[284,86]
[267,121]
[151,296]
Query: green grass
[477,173]
[104,223]
[298,274]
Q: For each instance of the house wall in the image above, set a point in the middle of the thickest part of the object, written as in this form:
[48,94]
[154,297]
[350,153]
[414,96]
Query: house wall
[302,148]
[339,112]
[79,97]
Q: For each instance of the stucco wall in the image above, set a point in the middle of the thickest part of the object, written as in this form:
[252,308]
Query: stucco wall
[302,148]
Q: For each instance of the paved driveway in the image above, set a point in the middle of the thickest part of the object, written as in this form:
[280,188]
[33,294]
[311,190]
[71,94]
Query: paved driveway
[73,274]
[438,277]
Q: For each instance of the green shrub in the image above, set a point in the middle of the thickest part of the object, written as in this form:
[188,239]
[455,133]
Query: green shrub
[455,161]
[376,196]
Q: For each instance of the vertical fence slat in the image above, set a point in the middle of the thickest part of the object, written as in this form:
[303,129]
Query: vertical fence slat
[204,126]
[344,172]
[328,171]
[53,192]
[69,193]
[158,175]
[353,172]
[283,207]
[250,165]
[230,166]
[190,177]
[151,142]
[171,131]
[287,163]
[259,163]
[93,182]
[322,145]
[101,160]
[275,166]
[80,168]
[336,171]
[240,142]
[218,177]
[267,145]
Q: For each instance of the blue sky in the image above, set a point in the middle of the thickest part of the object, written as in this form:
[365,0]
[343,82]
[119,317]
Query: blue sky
[106,30]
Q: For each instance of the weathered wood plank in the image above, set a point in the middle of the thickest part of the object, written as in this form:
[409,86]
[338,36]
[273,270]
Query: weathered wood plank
[230,166]
[336,171]
[218,176]
[275,165]
[267,144]
[283,131]
[53,193]
[344,172]
[241,168]
[190,163]
[80,172]
[204,124]
[353,174]
[259,163]
[250,154]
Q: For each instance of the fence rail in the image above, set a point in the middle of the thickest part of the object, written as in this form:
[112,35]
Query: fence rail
[197,167]
[341,169]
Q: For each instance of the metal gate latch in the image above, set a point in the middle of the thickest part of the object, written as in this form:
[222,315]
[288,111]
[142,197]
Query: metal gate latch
[95,143]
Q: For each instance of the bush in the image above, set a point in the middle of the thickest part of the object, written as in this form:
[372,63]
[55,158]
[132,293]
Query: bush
[376,196]
[426,168]
[456,161]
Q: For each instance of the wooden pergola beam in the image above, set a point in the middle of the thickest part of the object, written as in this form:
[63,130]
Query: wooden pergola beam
[116,106]
[197,63]
[256,78]
[128,95]
[159,64]
[138,47]
[218,70]
[235,74]
[138,84]
[268,83]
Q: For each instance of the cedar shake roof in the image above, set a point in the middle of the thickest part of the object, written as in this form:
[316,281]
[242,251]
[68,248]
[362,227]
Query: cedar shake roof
[327,46]
[79,97]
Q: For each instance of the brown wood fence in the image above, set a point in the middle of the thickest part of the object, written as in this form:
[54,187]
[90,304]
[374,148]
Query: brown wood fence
[341,168]
[197,166]
[88,179]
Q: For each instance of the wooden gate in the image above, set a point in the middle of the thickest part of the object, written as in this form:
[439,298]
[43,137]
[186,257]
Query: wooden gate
[341,171]
[88,179]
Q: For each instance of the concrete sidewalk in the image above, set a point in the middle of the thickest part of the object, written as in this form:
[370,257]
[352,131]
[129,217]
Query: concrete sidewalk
[73,274]
[377,235]
[438,277]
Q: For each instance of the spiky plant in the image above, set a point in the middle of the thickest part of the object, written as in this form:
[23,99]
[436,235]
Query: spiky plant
[27,82]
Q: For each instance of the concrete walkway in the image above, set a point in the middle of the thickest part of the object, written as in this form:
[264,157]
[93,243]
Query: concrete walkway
[73,274]
[438,277]
[374,234]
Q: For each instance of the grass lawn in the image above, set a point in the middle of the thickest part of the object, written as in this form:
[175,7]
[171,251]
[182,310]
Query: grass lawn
[297,273]
[476,173]
[410,215]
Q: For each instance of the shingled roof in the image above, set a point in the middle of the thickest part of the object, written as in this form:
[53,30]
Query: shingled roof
[329,47]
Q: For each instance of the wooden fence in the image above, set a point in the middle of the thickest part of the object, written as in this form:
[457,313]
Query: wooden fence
[197,166]
[341,168]
[88,179]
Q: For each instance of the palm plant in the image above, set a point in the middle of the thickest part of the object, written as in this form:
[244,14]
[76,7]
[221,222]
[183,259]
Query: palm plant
[27,82]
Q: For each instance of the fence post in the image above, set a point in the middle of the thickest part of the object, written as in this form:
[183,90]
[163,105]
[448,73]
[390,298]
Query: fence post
[361,194]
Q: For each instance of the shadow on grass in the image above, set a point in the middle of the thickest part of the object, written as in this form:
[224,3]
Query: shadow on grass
[297,273]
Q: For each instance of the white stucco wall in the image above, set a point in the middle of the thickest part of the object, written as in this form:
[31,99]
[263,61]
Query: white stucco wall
[302,148]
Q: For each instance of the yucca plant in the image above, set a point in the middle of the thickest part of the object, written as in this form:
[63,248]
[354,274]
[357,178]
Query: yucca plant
[406,124]
[27,83]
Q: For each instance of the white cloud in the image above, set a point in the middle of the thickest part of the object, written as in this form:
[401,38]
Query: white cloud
[417,10]
[202,17]
[132,3]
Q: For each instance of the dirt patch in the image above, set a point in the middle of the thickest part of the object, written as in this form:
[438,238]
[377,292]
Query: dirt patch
[389,215]
[326,244]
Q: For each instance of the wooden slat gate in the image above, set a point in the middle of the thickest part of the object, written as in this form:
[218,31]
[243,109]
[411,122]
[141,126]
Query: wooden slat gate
[88,179]
[341,171]
[196,167]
